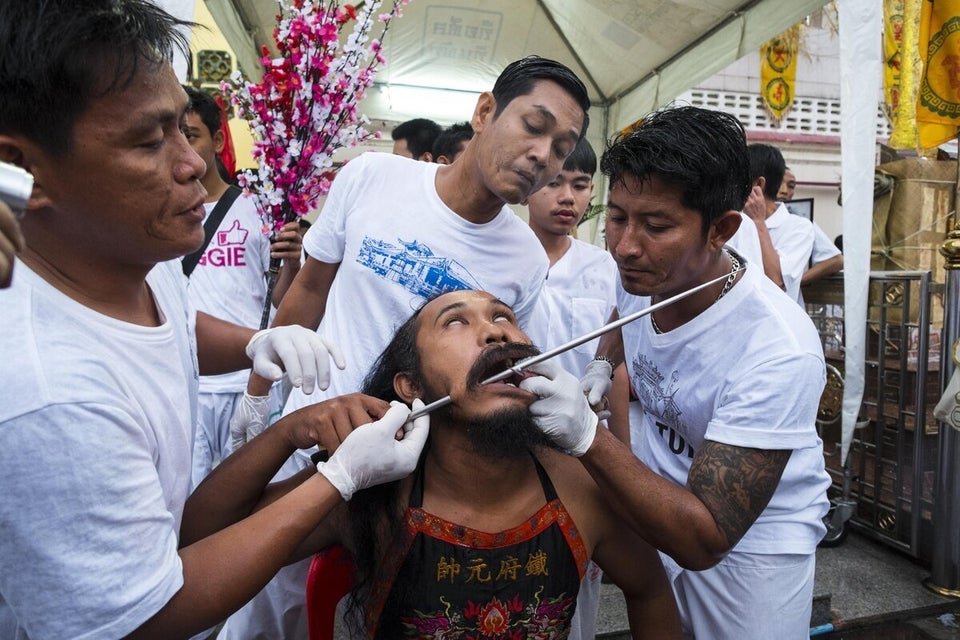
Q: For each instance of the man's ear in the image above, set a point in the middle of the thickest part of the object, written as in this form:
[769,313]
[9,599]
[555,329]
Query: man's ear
[723,229]
[219,141]
[426,156]
[760,182]
[483,112]
[18,153]
[405,387]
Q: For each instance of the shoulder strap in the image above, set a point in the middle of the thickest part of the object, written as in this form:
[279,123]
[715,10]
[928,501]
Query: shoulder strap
[210,227]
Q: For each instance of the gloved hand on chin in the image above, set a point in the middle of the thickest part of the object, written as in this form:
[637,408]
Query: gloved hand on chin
[372,455]
[562,412]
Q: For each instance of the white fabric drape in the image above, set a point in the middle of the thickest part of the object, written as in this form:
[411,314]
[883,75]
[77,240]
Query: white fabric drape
[860,74]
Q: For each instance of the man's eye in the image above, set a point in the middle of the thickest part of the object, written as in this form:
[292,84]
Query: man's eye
[454,320]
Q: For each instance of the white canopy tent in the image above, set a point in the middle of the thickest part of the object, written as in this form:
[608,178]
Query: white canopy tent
[633,55]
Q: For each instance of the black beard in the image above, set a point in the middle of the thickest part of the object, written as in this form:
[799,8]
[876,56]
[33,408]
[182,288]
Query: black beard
[506,433]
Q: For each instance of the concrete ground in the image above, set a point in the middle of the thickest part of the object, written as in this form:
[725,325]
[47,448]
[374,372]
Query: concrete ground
[863,590]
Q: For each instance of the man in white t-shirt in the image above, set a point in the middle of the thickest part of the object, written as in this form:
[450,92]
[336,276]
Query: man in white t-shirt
[229,280]
[395,232]
[102,353]
[825,257]
[786,240]
[730,483]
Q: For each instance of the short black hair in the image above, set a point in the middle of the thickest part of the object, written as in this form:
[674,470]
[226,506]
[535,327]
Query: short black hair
[699,151]
[767,161]
[448,142]
[419,133]
[519,77]
[205,106]
[58,55]
[583,159]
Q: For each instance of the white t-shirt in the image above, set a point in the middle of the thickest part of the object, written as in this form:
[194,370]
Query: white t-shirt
[746,372]
[398,245]
[792,237]
[746,241]
[577,298]
[228,281]
[823,247]
[96,428]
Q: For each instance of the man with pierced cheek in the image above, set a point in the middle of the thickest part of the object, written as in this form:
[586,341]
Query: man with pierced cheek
[492,532]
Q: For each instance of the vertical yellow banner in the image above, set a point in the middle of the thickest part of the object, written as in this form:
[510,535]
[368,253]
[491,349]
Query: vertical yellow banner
[938,102]
[902,69]
[892,38]
[778,72]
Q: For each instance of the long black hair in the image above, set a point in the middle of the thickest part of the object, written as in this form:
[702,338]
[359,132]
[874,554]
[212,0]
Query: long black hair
[376,514]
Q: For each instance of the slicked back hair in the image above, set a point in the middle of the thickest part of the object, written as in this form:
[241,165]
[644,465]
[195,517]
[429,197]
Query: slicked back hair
[702,153]
[58,55]
[519,77]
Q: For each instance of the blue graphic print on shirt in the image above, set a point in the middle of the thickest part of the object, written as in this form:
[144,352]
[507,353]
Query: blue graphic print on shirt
[414,266]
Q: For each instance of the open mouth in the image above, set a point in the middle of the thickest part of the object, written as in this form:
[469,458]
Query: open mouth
[496,360]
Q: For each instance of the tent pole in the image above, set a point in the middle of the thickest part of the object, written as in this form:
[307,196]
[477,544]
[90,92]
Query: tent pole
[945,565]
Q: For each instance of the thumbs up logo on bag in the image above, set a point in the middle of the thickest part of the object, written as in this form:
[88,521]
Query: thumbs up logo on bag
[234,235]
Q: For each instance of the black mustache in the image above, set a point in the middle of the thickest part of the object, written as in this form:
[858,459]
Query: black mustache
[514,350]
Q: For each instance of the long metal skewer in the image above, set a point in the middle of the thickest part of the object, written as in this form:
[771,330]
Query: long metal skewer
[546,355]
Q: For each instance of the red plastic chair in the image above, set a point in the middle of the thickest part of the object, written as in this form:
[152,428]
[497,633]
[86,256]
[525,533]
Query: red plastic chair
[328,579]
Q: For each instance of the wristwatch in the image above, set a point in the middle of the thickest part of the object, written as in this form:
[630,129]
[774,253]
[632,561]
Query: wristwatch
[609,362]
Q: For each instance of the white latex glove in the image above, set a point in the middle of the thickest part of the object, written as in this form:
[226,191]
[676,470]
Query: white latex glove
[562,412]
[300,352]
[371,454]
[597,382]
[249,419]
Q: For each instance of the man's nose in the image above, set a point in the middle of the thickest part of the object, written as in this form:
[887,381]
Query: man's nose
[190,166]
[540,150]
[628,244]
[496,332]
[566,194]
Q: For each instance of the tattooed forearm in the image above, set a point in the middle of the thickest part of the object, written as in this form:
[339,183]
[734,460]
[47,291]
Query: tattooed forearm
[735,483]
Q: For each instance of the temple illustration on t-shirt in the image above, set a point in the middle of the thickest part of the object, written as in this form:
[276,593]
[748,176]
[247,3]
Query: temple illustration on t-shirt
[414,266]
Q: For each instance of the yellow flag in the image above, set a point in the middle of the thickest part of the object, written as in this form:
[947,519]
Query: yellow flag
[938,102]
[892,36]
[778,72]
[902,69]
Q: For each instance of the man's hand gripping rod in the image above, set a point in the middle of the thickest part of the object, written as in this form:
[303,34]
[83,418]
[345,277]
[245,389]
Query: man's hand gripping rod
[546,355]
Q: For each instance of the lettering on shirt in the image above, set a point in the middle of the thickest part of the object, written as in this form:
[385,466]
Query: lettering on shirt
[479,570]
[225,257]
[675,441]
[230,249]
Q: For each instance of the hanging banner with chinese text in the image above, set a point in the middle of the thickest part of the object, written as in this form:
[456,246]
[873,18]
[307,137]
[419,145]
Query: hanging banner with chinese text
[778,72]
[938,102]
